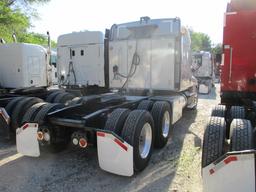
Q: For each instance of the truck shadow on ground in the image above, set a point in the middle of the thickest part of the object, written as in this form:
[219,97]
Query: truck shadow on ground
[76,170]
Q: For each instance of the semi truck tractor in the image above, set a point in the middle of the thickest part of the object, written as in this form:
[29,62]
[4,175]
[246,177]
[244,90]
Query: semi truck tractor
[203,70]
[151,82]
[228,159]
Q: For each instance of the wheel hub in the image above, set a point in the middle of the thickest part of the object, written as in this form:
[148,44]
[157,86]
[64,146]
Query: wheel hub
[145,140]
[166,124]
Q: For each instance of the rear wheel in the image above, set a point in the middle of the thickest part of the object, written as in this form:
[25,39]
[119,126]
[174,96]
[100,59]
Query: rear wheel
[237,112]
[116,120]
[11,105]
[219,111]
[30,114]
[241,135]
[138,131]
[214,140]
[20,109]
[50,98]
[145,105]
[161,113]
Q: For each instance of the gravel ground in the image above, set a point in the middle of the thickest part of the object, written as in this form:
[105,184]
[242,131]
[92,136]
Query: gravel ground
[174,168]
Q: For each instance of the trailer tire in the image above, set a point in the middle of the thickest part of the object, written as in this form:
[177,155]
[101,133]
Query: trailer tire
[137,121]
[31,113]
[214,140]
[145,105]
[219,111]
[241,135]
[11,105]
[42,113]
[237,112]
[50,98]
[161,113]
[116,120]
[20,109]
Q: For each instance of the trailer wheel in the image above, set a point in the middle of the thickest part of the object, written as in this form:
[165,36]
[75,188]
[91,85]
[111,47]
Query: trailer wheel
[20,109]
[237,112]
[11,105]
[31,113]
[214,140]
[42,113]
[116,120]
[241,135]
[138,131]
[161,113]
[219,111]
[63,98]
[145,105]
[50,98]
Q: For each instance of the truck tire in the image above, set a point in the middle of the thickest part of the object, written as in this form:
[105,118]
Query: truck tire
[161,113]
[20,109]
[237,112]
[10,106]
[138,126]
[42,113]
[115,121]
[63,98]
[219,111]
[214,140]
[145,105]
[241,135]
[31,113]
[50,98]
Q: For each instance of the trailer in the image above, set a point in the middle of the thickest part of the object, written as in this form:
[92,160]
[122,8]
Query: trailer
[203,70]
[151,81]
[228,157]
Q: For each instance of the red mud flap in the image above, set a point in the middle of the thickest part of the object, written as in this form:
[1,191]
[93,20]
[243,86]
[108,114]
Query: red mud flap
[26,140]
[4,122]
[234,172]
[114,155]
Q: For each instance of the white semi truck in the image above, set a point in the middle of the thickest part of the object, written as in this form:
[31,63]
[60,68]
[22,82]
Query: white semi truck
[150,75]
[203,70]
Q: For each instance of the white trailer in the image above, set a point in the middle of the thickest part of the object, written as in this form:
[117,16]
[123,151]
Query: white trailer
[203,69]
[24,65]
[81,59]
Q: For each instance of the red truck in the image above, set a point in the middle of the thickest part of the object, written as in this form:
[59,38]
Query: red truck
[229,155]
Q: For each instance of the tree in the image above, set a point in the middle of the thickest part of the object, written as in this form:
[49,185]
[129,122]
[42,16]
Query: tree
[200,41]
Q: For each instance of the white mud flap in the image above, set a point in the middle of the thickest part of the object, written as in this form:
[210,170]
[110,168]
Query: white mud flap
[235,172]
[203,89]
[114,155]
[26,140]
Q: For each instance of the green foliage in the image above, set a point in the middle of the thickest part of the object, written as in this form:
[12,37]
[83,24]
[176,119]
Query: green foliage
[217,49]
[200,41]
[14,18]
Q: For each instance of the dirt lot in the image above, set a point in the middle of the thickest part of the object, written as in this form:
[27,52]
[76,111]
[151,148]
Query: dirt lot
[174,168]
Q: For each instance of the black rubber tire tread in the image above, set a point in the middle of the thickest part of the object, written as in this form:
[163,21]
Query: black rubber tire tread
[67,97]
[145,105]
[58,98]
[157,112]
[241,135]
[20,109]
[131,132]
[214,140]
[219,111]
[40,116]
[10,106]
[237,112]
[116,120]
[31,113]
[50,98]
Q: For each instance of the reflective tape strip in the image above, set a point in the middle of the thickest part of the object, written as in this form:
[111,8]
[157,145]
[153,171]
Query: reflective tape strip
[227,161]
[5,115]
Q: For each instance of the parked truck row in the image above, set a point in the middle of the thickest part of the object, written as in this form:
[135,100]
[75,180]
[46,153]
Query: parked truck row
[121,92]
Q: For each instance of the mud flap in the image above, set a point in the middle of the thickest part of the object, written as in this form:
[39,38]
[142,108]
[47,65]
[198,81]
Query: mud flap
[4,123]
[114,155]
[26,140]
[233,172]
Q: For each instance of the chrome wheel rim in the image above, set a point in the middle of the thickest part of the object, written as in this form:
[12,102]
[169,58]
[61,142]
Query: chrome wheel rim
[145,140]
[166,124]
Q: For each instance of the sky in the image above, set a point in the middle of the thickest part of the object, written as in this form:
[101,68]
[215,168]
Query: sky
[66,16]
